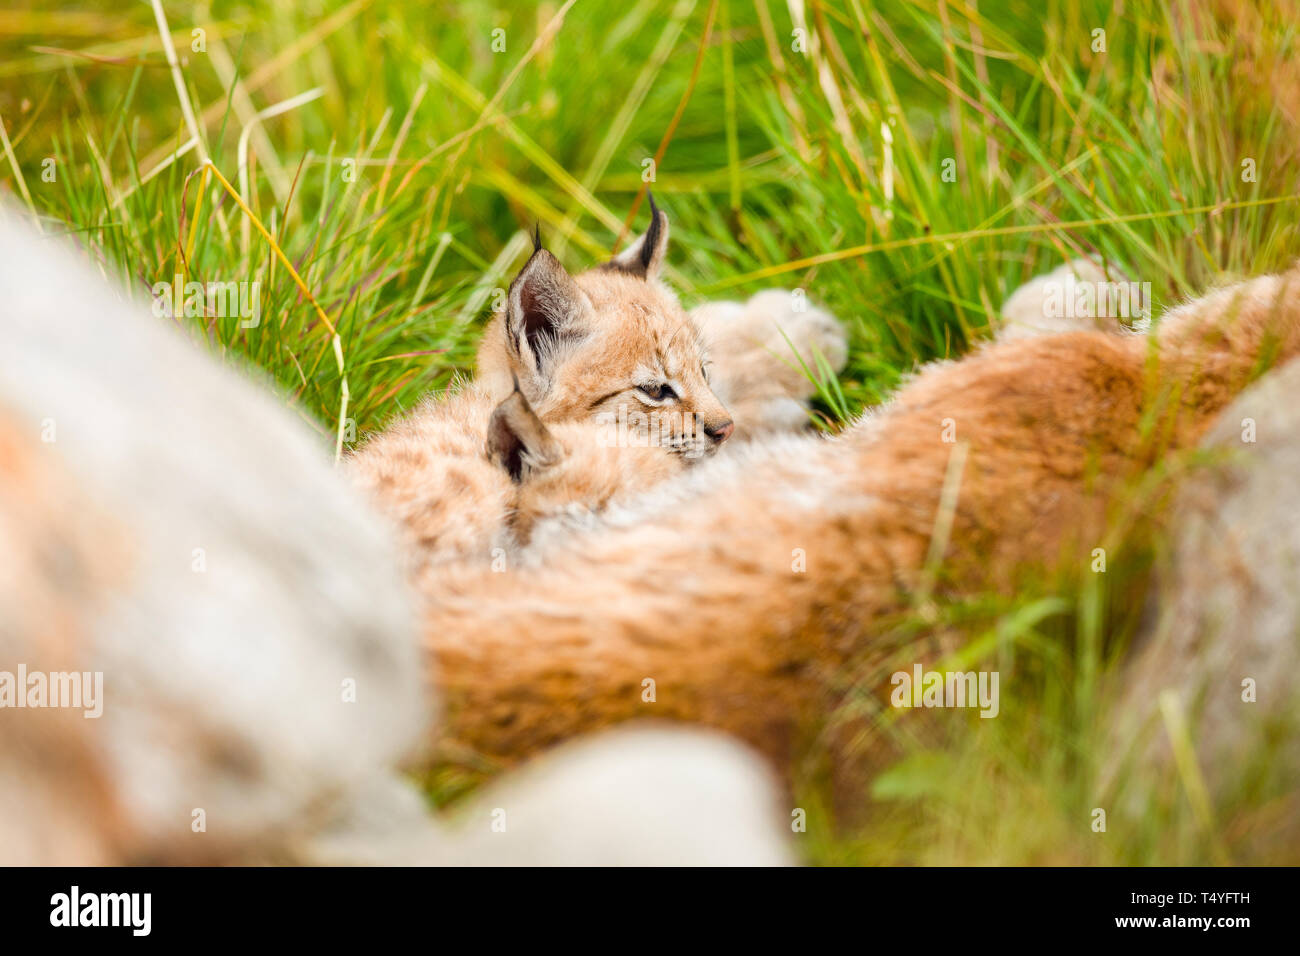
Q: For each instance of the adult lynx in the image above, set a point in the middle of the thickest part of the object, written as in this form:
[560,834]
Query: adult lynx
[743,588]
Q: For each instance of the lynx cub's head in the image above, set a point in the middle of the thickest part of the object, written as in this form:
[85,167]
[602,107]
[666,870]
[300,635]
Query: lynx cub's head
[610,345]
[572,470]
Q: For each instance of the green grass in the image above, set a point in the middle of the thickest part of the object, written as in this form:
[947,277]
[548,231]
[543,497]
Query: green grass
[403,194]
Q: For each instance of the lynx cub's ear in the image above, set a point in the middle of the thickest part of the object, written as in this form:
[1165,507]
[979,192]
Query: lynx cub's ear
[518,441]
[545,311]
[644,257]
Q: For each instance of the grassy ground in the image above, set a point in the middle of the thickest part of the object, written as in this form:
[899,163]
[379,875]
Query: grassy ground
[419,146]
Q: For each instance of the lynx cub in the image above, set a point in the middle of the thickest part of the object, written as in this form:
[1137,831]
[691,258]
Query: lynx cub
[611,342]
[612,346]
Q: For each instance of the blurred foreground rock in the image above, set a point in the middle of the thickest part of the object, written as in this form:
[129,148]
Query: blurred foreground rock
[1222,659]
[167,524]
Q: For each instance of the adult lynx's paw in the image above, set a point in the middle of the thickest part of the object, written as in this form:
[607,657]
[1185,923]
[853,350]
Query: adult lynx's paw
[1079,296]
[759,351]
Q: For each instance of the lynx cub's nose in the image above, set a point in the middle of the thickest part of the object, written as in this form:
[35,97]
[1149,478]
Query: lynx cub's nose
[720,432]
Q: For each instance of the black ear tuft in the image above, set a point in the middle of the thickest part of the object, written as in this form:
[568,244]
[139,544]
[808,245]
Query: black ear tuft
[651,241]
[537,237]
[644,257]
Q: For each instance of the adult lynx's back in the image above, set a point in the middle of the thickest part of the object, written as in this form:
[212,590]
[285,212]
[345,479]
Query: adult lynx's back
[743,589]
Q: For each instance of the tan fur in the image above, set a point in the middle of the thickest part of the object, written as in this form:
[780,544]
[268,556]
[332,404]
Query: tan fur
[590,478]
[430,475]
[698,590]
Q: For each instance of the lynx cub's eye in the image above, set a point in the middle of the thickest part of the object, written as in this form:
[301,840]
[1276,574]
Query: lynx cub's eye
[657,392]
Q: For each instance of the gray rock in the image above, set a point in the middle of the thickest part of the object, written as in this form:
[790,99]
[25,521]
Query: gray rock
[1227,619]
